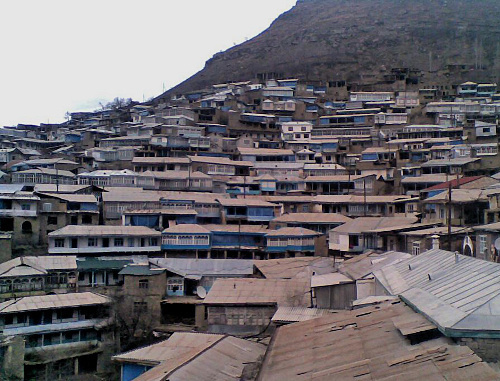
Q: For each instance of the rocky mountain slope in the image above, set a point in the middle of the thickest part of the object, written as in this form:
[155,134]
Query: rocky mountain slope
[361,40]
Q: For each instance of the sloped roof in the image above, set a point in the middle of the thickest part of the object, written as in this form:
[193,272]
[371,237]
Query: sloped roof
[365,224]
[70,197]
[180,347]
[362,265]
[342,199]
[252,291]
[45,302]
[31,265]
[294,268]
[195,356]
[187,229]
[453,183]
[292,232]
[455,292]
[330,279]
[312,218]
[140,269]
[224,361]
[245,202]
[366,344]
[296,314]
[103,230]
[262,229]
[459,196]
[205,267]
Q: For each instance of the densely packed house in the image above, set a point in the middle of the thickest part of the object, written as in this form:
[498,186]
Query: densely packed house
[240,208]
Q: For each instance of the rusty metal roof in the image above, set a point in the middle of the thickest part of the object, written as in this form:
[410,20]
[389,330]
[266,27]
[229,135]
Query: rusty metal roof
[365,344]
[252,291]
[47,302]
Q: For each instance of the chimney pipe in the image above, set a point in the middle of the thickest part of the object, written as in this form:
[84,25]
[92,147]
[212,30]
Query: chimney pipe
[435,242]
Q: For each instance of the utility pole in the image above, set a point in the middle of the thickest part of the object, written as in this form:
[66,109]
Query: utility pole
[364,196]
[449,212]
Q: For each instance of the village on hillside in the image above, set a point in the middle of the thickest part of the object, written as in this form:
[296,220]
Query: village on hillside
[272,229]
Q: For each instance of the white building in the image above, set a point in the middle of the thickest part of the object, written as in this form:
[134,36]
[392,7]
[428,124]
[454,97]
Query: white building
[75,239]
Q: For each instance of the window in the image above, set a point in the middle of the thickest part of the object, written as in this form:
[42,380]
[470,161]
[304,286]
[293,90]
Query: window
[118,241]
[64,313]
[26,207]
[52,220]
[482,244]
[154,242]
[59,242]
[87,219]
[105,242]
[416,248]
[131,242]
[26,227]
[73,220]
[140,306]
[143,283]
[175,284]
[92,242]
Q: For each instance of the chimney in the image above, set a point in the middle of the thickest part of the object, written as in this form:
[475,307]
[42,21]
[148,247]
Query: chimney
[435,242]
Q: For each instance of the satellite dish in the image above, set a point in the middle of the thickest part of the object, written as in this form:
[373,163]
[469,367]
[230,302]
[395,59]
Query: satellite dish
[497,244]
[201,292]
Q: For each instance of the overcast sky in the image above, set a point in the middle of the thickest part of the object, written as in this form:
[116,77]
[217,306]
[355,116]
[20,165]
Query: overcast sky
[59,56]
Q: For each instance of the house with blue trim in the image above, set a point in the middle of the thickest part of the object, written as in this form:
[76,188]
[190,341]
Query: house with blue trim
[295,241]
[186,240]
[249,211]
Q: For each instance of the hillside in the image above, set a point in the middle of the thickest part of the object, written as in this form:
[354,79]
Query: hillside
[361,40]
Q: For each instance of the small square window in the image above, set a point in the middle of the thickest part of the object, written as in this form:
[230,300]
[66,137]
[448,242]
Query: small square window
[25,206]
[59,242]
[118,241]
[143,283]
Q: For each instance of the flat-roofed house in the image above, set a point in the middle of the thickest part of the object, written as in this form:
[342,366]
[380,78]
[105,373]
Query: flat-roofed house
[110,240]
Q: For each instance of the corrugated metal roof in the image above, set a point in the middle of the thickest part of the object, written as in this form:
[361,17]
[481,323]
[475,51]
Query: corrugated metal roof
[318,218]
[103,230]
[246,291]
[180,347]
[456,292]
[331,279]
[366,224]
[224,361]
[294,268]
[292,232]
[140,269]
[31,265]
[45,302]
[187,228]
[296,314]
[362,265]
[205,267]
[364,344]
[195,356]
